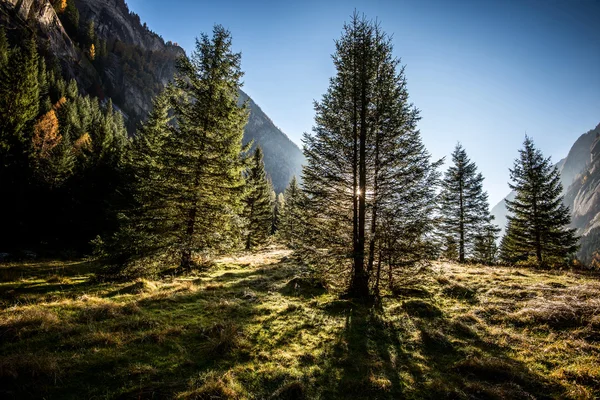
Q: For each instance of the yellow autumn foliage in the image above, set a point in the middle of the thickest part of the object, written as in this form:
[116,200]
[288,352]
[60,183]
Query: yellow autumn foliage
[45,134]
[83,143]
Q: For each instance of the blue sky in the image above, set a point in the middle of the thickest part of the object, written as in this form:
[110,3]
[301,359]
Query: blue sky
[482,72]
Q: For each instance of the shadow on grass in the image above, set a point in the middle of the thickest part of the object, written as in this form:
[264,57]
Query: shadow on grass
[168,343]
[424,355]
[44,269]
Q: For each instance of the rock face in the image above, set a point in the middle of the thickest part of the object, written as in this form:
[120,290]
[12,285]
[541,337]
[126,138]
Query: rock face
[137,66]
[50,30]
[583,195]
[139,62]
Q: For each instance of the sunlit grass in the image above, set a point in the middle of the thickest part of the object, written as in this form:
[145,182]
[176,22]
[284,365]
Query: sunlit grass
[257,326]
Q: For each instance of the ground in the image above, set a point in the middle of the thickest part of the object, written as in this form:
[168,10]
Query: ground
[258,327]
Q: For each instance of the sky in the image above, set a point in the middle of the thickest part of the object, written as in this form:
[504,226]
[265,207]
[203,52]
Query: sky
[484,73]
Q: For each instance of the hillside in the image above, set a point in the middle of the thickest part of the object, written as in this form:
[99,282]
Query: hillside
[132,65]
[254,327]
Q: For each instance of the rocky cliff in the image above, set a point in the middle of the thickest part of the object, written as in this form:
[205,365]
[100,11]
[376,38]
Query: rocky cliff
[132,65]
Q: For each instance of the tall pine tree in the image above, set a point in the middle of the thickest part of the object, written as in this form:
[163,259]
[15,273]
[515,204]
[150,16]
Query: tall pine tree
[464,205]
[537,219]
[205,151]
[258,203]
[291,214]
[367,171]
[148,224]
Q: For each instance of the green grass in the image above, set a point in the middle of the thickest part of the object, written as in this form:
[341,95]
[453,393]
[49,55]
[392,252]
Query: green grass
[256,327]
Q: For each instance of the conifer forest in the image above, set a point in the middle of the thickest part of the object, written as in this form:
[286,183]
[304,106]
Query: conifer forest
[160,237]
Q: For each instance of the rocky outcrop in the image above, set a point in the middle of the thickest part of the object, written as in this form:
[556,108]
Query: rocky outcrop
[49,26]
[137,66]
[583,195]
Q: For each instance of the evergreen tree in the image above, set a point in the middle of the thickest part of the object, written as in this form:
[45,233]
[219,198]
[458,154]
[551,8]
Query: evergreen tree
[90,33]
[485,249]
[367,171]
[278,207]
[190,172]
[464,205]
[258,208]
[19,93]
[450,251]
[537,219]
[149,223]
[205,152]
[291,215]
[70,19]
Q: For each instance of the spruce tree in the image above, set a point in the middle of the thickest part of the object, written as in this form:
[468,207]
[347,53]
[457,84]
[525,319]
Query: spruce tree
[464,205]
[367,171]
[485,249]
[205,152]
[258,209]
[19,93]
[277,212]
[537,218]
[148,225]
[291,214]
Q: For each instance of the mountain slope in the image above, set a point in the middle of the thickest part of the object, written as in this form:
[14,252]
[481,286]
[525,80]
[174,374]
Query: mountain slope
[131,66]
[283,159]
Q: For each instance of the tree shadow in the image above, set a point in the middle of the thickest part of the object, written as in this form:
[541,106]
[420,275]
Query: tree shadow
[407,348]
[424,354]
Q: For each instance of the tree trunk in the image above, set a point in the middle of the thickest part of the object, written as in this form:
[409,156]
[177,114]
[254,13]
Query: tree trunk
[249,237]
[378,276]
[461,227]
[360,282]
[186,253]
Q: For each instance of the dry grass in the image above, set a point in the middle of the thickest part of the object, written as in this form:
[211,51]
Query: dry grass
[258,326]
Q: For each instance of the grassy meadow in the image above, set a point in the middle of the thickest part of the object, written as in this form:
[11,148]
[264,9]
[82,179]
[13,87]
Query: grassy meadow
[258,327]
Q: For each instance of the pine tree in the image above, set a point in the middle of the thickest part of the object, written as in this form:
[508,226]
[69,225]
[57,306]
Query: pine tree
[19,93]
[485,249]
[90,33]
[537,217]
[149,223]
[291,215]
[278,207]
[367,170]
[450,251]
[464,205]
[206,149]
[258,208]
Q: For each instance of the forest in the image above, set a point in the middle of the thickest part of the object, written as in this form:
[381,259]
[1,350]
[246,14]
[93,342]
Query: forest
[163,264]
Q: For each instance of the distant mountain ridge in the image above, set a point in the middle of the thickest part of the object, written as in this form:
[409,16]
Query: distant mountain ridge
[137,66]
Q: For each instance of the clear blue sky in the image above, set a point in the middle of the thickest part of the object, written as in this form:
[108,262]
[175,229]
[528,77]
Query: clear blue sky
[482,72]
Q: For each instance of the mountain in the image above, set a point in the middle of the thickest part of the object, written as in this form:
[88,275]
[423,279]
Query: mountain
[113,55]
[580,177]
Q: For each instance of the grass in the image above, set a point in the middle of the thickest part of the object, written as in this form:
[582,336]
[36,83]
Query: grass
[257,327]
